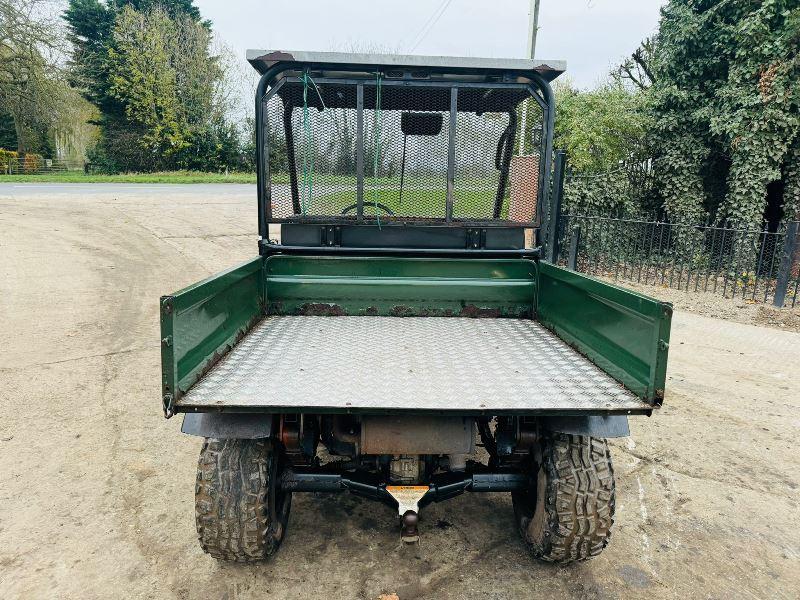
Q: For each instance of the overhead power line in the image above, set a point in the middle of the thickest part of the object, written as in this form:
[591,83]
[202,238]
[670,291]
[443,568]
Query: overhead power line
[429,24]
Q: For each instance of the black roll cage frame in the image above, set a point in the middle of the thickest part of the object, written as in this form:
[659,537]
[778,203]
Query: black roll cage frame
[537,86]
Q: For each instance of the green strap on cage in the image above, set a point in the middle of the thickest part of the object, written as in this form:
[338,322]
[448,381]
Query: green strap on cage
[378,115]
[306,194]
[308,140]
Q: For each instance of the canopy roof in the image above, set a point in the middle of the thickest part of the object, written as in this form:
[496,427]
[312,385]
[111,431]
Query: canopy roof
[262,60]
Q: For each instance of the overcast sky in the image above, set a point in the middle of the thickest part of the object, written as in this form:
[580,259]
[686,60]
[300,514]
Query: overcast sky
[591,35]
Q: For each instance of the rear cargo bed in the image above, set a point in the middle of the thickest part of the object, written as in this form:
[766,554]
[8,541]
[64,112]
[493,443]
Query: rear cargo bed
[373,363]
[311,333]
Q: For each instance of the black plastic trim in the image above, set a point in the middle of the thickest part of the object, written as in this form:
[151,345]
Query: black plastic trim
[271,248]
[398,236]
[244,426]
[611,426]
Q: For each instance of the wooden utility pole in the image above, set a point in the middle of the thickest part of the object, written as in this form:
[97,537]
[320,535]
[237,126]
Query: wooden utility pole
[533,28]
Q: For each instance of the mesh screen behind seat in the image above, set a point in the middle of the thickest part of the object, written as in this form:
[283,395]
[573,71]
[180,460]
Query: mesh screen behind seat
[405,175]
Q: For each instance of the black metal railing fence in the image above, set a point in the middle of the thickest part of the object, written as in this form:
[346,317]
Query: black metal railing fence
[758,265]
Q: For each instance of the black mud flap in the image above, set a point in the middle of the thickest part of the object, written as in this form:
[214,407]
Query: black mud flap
[610,426]
[243,426]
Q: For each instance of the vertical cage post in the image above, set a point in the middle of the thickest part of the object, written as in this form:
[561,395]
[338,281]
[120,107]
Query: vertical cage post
[360,151]
[263,185]
[265,206]
[451,154]
[546,144]
[555,206]
[262,157]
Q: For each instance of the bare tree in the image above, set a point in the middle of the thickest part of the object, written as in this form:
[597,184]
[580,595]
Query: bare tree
[33,89]
[636,68]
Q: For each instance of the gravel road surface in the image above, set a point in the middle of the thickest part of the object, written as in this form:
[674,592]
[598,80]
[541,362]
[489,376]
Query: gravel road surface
[96,488]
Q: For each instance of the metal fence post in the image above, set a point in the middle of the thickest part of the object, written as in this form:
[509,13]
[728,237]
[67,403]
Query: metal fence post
[784,271]
[574,242]
[554,220]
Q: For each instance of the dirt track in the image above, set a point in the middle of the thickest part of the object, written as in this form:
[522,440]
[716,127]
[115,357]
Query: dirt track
[96,488]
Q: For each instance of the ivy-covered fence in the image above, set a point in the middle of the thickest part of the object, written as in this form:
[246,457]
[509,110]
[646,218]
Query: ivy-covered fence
[757,265]
[626,190]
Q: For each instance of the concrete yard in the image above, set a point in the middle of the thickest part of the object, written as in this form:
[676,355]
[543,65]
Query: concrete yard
[96,488]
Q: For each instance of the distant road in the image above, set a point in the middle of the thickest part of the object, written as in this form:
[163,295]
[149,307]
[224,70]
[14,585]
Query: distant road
[127,189]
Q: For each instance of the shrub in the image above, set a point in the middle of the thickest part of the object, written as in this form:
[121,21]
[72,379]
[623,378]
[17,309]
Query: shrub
[31,163]
[8,158]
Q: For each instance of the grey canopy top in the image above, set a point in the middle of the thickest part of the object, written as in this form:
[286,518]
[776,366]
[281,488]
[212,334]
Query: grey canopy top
[262,60]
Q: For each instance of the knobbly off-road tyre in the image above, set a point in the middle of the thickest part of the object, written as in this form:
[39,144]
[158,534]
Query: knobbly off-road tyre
[566,515]
[240,510]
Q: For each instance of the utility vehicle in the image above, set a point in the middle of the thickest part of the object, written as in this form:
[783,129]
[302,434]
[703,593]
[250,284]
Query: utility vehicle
[409,337]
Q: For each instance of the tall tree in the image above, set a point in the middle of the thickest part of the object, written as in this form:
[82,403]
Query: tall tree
[604,133]
[726,104]
[147,65]
[91,28]
[143,80]
[163,76]
[32,89]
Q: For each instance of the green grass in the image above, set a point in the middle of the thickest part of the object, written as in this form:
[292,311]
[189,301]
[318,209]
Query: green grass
[163,177]
[422,196]
[474,204]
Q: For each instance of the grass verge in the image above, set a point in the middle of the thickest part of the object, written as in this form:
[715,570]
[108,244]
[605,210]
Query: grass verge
[163,177]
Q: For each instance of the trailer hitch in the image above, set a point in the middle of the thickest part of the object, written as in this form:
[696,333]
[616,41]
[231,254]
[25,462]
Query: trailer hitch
[407,499]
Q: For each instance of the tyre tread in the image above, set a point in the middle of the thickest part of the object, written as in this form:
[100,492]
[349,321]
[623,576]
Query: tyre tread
[579,499]
[231,500]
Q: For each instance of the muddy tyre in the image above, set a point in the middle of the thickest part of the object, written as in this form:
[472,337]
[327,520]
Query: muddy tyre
[240,510]
[567,513]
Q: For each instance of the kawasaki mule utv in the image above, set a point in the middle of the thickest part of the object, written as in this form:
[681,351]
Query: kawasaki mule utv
[409,337]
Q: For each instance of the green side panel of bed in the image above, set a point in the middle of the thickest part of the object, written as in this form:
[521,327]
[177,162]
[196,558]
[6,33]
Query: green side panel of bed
[315,285]
[624,333]
[202,322]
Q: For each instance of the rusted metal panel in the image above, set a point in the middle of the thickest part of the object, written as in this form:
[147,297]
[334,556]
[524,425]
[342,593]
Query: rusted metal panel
[400,287]
[412,434]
